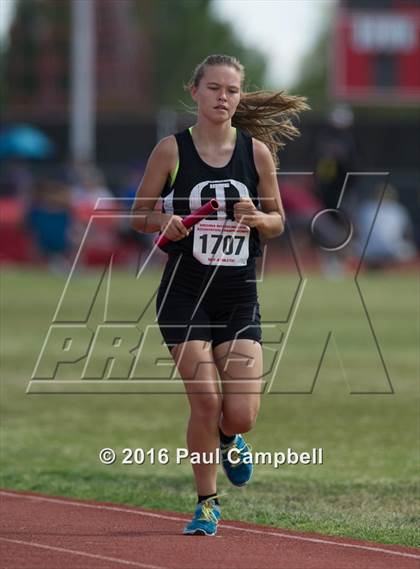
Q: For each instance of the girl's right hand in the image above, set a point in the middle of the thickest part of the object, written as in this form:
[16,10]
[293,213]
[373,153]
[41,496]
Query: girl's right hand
[173,228]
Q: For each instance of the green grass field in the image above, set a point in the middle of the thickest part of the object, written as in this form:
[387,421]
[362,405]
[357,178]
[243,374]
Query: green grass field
[367,487]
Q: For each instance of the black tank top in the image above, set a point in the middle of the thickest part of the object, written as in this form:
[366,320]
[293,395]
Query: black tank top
[197,182]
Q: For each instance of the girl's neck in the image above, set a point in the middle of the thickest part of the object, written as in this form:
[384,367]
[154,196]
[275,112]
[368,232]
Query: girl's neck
[210,134]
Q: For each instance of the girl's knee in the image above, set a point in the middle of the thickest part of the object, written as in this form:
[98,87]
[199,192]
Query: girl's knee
[240,420]
[207,407]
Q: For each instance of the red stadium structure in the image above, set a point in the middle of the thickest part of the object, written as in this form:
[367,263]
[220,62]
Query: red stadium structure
[376,52]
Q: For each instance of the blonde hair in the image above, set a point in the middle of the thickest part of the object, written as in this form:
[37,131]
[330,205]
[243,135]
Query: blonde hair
[265,115]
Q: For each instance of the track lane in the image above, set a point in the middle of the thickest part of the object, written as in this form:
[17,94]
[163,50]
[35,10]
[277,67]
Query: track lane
[110,536]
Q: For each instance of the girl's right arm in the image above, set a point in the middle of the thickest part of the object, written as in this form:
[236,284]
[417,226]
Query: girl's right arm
[145,218]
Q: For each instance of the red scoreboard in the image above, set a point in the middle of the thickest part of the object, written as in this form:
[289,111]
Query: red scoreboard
[376,53]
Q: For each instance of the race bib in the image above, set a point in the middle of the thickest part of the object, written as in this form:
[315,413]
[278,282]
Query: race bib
[221,242]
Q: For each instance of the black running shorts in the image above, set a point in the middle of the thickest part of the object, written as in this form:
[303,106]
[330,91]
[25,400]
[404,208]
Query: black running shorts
[212,303]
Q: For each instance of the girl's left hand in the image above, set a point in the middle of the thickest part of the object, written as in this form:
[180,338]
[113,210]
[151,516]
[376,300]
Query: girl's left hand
[246,213]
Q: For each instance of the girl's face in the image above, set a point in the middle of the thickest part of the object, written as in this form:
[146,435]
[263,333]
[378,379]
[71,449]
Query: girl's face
[218,93]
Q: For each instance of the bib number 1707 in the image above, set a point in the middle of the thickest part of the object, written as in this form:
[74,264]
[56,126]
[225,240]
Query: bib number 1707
[228,243]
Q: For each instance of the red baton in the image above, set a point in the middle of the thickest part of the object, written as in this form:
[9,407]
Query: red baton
[192,219]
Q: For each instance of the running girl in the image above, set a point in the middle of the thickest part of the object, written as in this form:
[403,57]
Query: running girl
[207,304]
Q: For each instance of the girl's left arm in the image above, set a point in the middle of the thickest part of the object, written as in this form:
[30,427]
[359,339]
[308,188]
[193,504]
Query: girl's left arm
[272,218]
[269,221]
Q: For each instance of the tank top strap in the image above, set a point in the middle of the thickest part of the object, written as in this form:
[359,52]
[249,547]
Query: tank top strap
[185,149]
[245,147]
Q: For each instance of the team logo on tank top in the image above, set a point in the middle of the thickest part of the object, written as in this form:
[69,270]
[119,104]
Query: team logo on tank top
[219,239]
[226,192]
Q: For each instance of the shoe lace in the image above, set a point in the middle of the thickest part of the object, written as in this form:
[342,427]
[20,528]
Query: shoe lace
[207,513]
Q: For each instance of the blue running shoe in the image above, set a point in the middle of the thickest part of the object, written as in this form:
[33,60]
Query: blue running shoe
[239,468]
[205,520]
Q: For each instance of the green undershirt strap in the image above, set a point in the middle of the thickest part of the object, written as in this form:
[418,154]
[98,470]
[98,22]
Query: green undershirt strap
[174,173]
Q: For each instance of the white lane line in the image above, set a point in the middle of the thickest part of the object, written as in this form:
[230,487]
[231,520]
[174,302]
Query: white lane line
[222,525]
[327,542]
[83,553]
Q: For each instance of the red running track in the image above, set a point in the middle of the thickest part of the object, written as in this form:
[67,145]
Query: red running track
[42,532]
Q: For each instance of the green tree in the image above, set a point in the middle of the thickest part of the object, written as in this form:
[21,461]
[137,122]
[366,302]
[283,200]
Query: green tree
[2,79]
[32,21]
[183,33]
[313,77]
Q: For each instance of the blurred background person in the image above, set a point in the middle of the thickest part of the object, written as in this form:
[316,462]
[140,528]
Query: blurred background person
[134,242]
[16,180]
[391,235]
[89,187]
[336,156]
[49,219]
[313,232]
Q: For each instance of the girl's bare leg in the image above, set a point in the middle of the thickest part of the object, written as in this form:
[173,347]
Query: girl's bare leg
[195,363]
[240,366]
